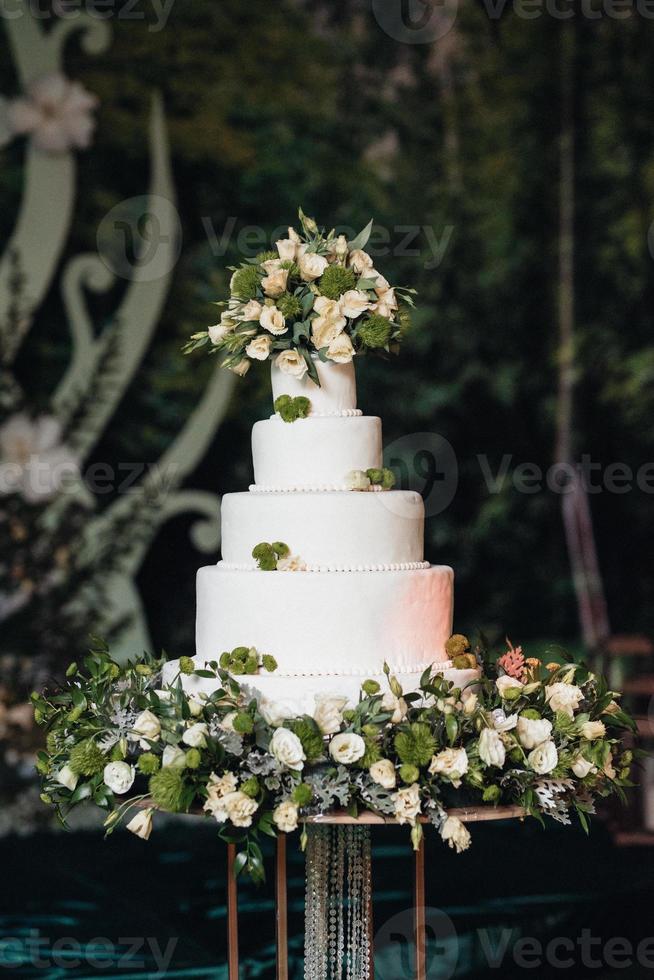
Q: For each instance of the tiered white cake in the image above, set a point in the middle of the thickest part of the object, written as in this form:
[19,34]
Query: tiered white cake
[366,596]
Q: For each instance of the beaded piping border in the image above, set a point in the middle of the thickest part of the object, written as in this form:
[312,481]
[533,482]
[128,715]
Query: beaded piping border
[344,413]
[313,488]
[398,566]
[437,665]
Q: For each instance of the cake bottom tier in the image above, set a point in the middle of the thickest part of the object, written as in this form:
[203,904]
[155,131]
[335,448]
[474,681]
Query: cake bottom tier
[327,623]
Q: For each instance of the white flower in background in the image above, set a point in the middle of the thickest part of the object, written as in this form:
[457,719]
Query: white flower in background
[291,362]
[506,683]
[251,312]
[591,730]
[544,758]
[347,748]
[328,714]
[357,480]
[148,726]
[119,777]
[141,824]
[240,808]
[275,713]
[354,302]
[360,261]
[341,350]
[563,697]
[285,816]
[396,705]
[312,266]
[242,367]
[273,320]
[287,249]
[219,331]
[196,736]
[274,284]
[491,748]
[455,834]
[259,348]
[286,747]
[173,757]
[66,777]
[451,763]
[34,462]
[581,767]
[503,722]
[292,563]
[407,804]
[383,773]
[329,323]
[532,732]
[55,112]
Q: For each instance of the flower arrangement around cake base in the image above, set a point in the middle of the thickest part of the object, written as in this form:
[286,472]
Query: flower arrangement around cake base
[546,737]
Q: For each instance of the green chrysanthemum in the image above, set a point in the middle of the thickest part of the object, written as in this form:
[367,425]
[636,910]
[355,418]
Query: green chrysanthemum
[290,306]
[335,281]
[281,549]
[186,665]
[148,764]
[269,663]
[246,282]
[456,645]
[375,332]
[265,557]
[86,759]
[302,794]
[309,734]
[416,746]
[167,789]
[292,268]
[409,774]
[243,723]
[193,759]
[492,794]
[371,755]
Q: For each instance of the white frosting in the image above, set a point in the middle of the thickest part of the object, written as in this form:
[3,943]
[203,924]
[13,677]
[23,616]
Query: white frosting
[314,451]
[402,566]
[339,530]
[337,391]
[345,623]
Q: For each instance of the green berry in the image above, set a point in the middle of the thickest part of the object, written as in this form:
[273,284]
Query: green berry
[491,794]
[388,479]
[281,550]
[268,663]
[375,476]
[457,645]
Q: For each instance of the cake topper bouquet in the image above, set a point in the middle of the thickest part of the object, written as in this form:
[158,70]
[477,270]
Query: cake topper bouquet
[317,296]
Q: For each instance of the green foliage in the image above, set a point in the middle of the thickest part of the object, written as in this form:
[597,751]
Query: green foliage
[335,281]
[290,409]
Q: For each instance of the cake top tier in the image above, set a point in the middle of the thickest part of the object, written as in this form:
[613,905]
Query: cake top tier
[336,395]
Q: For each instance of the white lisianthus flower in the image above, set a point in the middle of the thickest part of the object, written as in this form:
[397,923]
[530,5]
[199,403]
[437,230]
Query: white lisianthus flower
[491,748]
[407,804]
[148,726]
[503,722]
[227,724]
[285,816]
[219,331]
[240,808]
[328,714]
[272,265]
[287,249]
[251,312]
[195,706]
[383,773]
[506,683]
[275,713]
[274,284]
[470,703]
[329,323]
[396,705]
[532,732]
[286,747]
[162,694]
[455,834]
[340,248]
[353,303]
[242,367]
[582,767]
[259,348]
[312,266]
[347,748]
[450,763]
[591,730]
[66,777]
[357,480]
[119,777]
[173,757]
[386,304]
[360,261]
[544,758]
[291,362]
[564,697]
[220,786]
[341,350]
[196,736]
[34,462]
[273,321]
[141,824]
[291,563]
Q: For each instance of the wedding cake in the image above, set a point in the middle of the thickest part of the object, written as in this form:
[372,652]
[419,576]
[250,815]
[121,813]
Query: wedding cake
[349,590]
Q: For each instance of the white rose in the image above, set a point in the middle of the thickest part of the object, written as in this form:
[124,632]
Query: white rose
[354,302]
[491,748]
[218,332]
[357,480]
[291,362]
[407,804]
[274,284]
[287,249]
[292,563]
[506,683]
[544,758]
[173,757]
[451,763]
[581,767]
[220,786]
[563,697]
[240,808]
[285,816]
[532,732]
[341,350]
[196,736]
[329,323]
[312,266]
[66,777]
[141,824]
[251,312]
[360,261]
[347,748]
[592,730]
[148,726]
[386,304]
[397,706]
[119,777]
[259,348]
[328,713]
[275,713]
[242,367]
[272,265]
[272,320]
[503,722]
[286,747]
[383,773]
[455,834]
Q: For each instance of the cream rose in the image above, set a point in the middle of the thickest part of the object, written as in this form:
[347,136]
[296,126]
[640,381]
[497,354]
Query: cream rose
[544,758]
[383,773]
[455,834]
[470,703]
[240,808]
[386,304]
[286,747]
[291,563]
[451,763]
[506,683]
[273,320]
[563,697]
[242,367]
[251,312]
[274,284]
[173,757]
[353,303]
[292,363]
[148,726]
[287,249]
[328,713]
[219,331]
[357,480]
[196,735]
[360,261]
[407,804]
[491,748]
[195,706]
[582,767]
[312,266]
[396,705]
[591,730]
[532,732]
[119,777]
[285,816]
[141,824]
[259,348]
[275,713]
[66,777]
[347,748]
[329,323]
[341,350]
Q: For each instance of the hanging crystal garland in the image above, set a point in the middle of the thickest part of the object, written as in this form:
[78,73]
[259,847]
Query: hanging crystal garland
[338,903]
